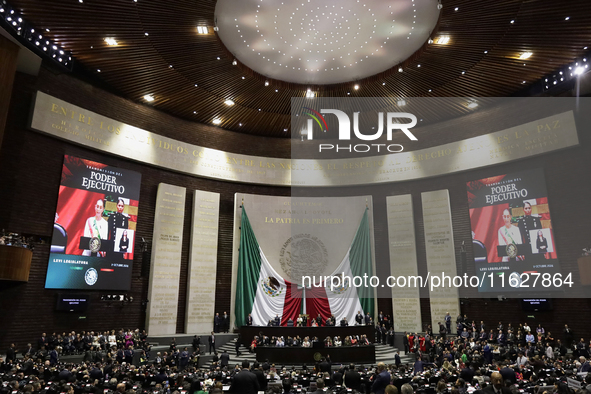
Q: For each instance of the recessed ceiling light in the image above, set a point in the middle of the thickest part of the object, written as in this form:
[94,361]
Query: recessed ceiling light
[111,41]
[401,103]
[457,8]
[399,69]
[525,55]
[512,20]
[356,87]
[234,62]
[239,124]
[99,70]
[442,40]
[266,83]
[149,98]
[229,102]
[202,30]
[567,18]
[217,121]
[146,34]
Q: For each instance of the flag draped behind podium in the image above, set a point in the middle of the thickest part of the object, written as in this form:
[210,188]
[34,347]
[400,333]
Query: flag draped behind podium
[262,292]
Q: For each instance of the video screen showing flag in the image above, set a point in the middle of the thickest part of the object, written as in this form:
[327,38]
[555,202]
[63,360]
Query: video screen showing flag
[512,230]
[93,240]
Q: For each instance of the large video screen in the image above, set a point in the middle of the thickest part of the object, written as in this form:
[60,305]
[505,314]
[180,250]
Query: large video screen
[512,236]
[93,240]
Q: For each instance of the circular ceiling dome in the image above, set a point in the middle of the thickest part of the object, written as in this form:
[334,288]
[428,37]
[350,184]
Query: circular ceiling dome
[324,41]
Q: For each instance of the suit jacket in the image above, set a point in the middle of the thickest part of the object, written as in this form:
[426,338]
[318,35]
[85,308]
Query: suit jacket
[353,380]
[245,382]
[380,382]
[225,359]
[211,339]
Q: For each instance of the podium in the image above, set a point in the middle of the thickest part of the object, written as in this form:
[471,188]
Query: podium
[106,245]
[520,250]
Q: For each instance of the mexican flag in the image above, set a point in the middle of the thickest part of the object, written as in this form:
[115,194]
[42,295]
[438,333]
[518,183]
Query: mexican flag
[261,292]
[345,300]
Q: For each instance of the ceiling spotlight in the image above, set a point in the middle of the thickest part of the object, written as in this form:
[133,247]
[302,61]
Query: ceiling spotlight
[525,55]
[356,87]
[310,94]
[266,83]
[149,98]
[217,121]
[216,28]
[439,5]
[234,62]
[429,41]
[567,18]
[111,41]
[202,30]
[401,103]
[442,40]
[229,102]
[457,8]
[473,104]
[399,69]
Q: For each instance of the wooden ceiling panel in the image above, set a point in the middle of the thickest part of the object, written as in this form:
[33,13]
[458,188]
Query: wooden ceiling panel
[140,64]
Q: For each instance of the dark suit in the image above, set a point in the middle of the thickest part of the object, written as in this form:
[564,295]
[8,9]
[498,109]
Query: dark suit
[353,380]
[211,344]
[380,382]
[245,382]
[226,323]
[10,355]
[216,323]
[359,318]
[261,378]
[225,359]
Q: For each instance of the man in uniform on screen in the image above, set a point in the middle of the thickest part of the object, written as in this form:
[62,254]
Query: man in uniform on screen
[527,223]
[118,220]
